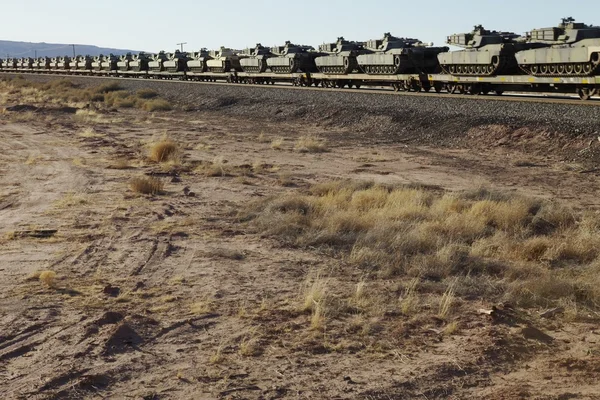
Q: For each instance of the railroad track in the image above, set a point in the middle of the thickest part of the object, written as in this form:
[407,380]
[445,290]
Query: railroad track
[374,90]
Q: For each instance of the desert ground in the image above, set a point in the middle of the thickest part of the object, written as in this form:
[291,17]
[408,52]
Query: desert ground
[154,250]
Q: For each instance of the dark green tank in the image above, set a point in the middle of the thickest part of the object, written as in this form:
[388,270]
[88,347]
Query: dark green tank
[393,55]
[571,49]
[341,56]
[256,59]
[485,53]
[293,58]
[197,61]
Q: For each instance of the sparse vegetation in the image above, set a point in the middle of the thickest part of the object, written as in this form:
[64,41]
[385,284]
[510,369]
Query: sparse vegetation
[157,105]
[536,252]
[310,144]
[164,150]
[147,185]
[48,278]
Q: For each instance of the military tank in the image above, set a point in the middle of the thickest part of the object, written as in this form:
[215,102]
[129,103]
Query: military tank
[197,61]
[176,62]
[292,58]
[156,63]
[224,60]
[341,56]
[571,49]
[25,63]
[82,63]
[97,62]
[64,63]
[486,53]
[256,59]
[42,63]
[139,62]
[393,55]
[109,62]
[123,63]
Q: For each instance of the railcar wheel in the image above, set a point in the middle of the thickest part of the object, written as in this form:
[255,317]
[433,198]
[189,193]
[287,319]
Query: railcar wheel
[499,92]
[585,93]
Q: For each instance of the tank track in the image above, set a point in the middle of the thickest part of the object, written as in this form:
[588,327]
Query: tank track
[255,69]
[506,66]
[381,69]
[339,70]
[198,69]
[565,69]
[284,69]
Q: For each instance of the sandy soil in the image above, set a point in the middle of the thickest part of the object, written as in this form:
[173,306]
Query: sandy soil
[172,297]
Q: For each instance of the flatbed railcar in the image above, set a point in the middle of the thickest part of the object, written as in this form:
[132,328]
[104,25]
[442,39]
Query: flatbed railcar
[585,87]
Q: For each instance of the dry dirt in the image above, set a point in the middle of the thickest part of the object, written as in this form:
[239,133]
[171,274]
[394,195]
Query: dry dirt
[173,297]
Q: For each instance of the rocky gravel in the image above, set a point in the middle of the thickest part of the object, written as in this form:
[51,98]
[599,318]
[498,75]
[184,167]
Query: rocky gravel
[375,116]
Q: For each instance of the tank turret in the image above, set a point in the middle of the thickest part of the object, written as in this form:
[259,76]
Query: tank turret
[395,55]
[341,56]
[570,49]
[292,58]
[97,62]
[64,63]
[109,62]
[224,60]
[256,59]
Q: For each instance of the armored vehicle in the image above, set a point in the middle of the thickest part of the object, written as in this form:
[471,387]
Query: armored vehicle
[97,62]
[176,62]
[42,63]
[82,63]
[256,59]
[11,63]
[224,60]
[156,63]
[392,55]
[485,53]
[123,63]
[25,63]
[572,49]
[139,62]
[197,61]
[64,63]
[109,62]
[341,56]
[293,58]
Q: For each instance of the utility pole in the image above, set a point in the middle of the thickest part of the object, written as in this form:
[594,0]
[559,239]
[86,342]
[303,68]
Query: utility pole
[73,50]
[35,51]
[181,44]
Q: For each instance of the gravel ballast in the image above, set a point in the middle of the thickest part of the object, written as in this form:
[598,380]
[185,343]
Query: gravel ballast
[383,118]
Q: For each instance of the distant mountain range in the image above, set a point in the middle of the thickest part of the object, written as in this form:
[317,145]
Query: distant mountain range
[27,49]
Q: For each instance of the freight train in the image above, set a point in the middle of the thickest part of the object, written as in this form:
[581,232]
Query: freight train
[560,59]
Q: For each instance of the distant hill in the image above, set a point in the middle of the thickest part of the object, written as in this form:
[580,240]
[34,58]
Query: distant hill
[27,49]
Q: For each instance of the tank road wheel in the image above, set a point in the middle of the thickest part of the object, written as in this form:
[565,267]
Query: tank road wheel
[552,69]
[586,93]
[587,69]
[578,69]
[544,69]
[569,68]
[535,69]
[561,69]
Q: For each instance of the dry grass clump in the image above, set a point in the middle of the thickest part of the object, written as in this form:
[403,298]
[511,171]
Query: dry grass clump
[164,150]
[147,185]
[310,144]
[48,278]
[157,105]
[276,144]
[146,94]
[535,252]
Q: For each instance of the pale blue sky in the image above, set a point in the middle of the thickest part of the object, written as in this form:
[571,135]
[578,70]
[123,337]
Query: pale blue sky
[153,25]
